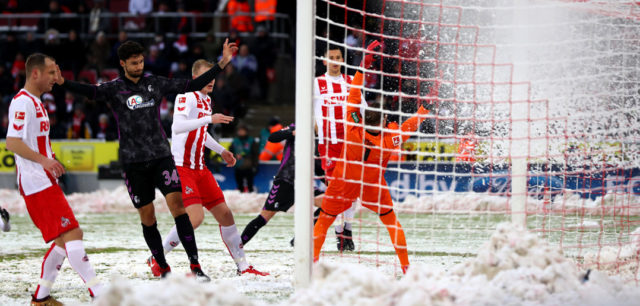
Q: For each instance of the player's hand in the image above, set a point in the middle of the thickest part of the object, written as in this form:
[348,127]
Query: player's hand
[52,166]
[370,57]
[59,78]
[220,118]
[228,158]
[228,49]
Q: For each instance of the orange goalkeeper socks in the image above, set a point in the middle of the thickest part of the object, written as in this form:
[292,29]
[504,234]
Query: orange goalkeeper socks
[320,233]
[397,237]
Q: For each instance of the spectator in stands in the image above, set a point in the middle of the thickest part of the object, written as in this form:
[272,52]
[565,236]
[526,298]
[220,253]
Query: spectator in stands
[237,83]
[79,127]
[114,61]
[181,46]
[209,47]
[69,101]
[245,63]
[104,130]
[49,103]
[265,11]
[273,150]
[52,45]
[18,65]
[97,23]
[73,57]
[265,52]
[183,71]
[155,63]
[9,49]
[354,42]
[30,44]
[6,85]
[57,129]
[239,11]
[245,150]
[99,52]
[140,7]
[54,21]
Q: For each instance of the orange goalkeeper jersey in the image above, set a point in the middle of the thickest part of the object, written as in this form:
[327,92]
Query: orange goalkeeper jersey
[365,156]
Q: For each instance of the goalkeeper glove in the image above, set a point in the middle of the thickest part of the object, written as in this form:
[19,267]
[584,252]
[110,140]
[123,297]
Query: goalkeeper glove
[370,57]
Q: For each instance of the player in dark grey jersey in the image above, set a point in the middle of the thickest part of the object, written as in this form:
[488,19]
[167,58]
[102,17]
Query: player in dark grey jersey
[144,150]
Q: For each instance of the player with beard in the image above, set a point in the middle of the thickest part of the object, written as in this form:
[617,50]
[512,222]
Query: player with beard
[144,151]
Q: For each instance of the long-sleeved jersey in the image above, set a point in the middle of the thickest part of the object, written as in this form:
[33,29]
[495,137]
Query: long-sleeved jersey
[136,107]
[29,121]
[371,151]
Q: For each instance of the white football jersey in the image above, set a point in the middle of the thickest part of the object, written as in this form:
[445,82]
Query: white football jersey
[29,121]
[188,148]
[329,106]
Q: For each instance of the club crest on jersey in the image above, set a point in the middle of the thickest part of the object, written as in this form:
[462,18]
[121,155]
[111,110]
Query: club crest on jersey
[135,102]
[396,140]
[150,88]
[188,190]
[64,222]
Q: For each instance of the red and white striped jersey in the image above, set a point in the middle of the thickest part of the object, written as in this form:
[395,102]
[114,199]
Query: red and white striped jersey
[29,121]
[329,106]
[188,148]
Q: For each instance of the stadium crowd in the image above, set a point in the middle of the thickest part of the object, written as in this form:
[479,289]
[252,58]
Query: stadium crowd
[87,52]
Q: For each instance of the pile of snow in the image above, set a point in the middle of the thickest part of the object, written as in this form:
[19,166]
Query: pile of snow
[620,260]
[117,200]
[513,268]
[174,290]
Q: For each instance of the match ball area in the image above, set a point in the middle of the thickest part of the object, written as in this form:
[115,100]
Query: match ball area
[457,259]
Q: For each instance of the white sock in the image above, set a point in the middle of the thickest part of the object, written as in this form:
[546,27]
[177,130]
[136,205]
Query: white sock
[80,263]
[171,241]
[231,239]
[50,266]
[349,214]
[5,227]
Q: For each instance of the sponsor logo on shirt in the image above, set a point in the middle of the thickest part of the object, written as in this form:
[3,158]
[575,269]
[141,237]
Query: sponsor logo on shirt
[181,100]
[355,117]
[19,116]
[396,140]
[18,121]
[188,190]
[135,102]
[64,222]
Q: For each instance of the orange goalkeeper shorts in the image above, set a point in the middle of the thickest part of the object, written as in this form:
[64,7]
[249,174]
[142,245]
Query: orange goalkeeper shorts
[341,194]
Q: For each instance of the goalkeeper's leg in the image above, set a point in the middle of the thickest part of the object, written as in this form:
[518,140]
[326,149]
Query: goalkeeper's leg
[379,200]
[330,209]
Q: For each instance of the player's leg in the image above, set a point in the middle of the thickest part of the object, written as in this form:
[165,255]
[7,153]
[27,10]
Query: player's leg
[281,198]
[142,193]
[381,203]
[336,200]
[256,224]
[51,213]
[5,224]
[192,202]
[343,229]
[168,181]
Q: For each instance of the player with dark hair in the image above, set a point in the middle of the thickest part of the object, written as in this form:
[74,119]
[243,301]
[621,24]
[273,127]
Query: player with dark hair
[359,173]
[330,92]
[38,173]
[144,151]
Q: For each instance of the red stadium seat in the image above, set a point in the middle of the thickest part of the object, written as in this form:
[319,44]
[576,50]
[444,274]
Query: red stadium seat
[110,74]
[67,75]
[91,75]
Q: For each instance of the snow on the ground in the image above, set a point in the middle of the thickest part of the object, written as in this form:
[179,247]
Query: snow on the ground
[117,200]
[175,290]
[621,260]
[513,268]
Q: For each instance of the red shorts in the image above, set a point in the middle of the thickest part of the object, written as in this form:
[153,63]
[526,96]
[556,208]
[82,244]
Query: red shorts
[199,187]
[329,153]
[340,195]
[50,212]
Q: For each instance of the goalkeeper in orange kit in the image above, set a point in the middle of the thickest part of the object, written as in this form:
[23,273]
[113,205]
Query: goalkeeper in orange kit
[359,173]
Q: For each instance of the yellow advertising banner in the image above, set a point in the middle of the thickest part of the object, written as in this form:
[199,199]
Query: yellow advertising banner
[74,155]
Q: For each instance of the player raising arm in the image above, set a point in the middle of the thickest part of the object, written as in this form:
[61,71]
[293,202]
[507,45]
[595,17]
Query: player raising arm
[359,173]
[38,172]
[191,117]
[144,151]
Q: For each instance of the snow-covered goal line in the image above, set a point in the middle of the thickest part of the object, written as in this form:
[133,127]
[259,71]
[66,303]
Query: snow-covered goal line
[536,120]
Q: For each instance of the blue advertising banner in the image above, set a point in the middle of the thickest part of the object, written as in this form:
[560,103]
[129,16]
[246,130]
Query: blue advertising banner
[406,179]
